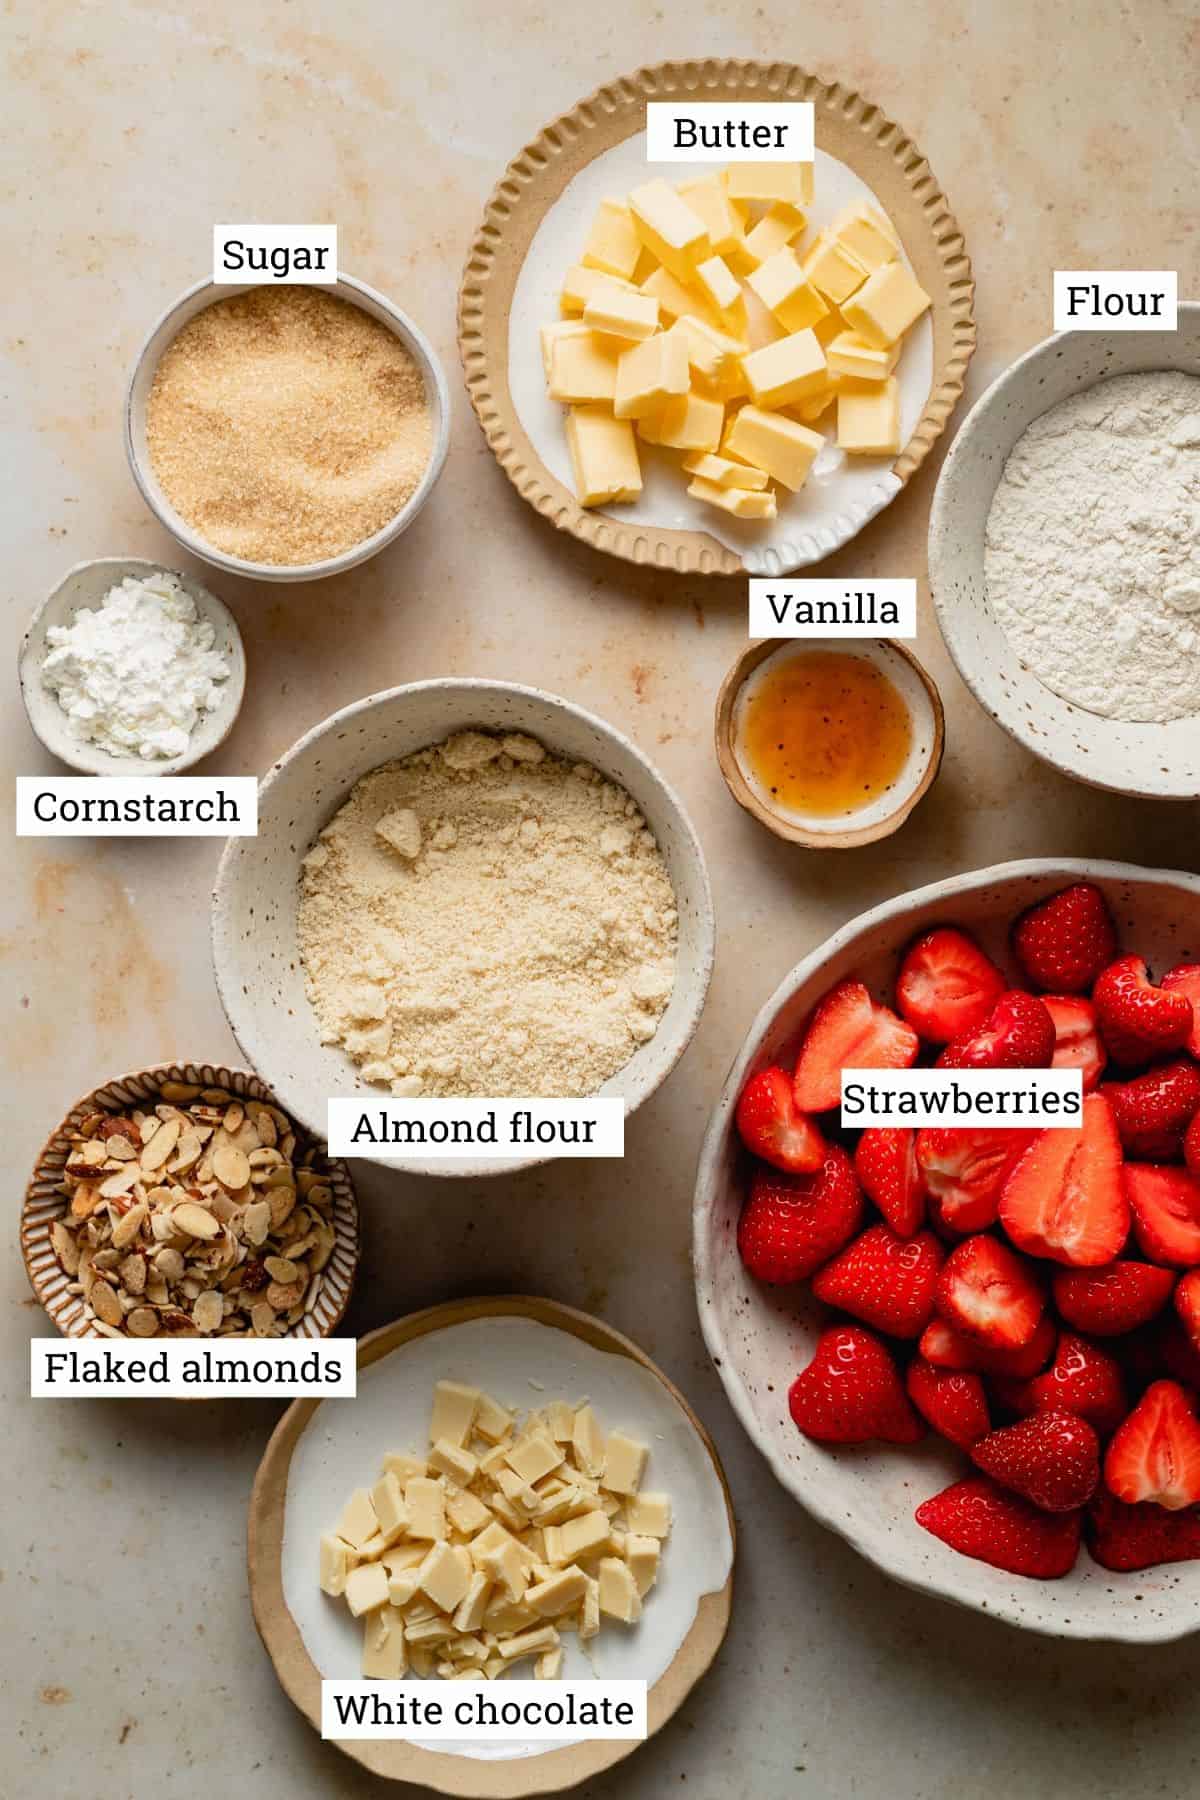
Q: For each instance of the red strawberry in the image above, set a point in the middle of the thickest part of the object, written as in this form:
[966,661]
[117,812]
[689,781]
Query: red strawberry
[850,1392]
[1153,1110]
[1139,1537]
[771,1124]
[849,1031]
[946,1347]
[954,1402]
[791,1224]
[1155,1454]
[1166,1213]
[1185,979]
[965,1168]
[1138,1020]
[1064,1198]
[1017,1034]
[1053,1458]
[1191,1147]
[1082,1379]
[989,1293]
[1076,1037]
[1063,943]
[947,986]
[886,1164]
[1119,1297]
[884,1280]
[1187,1305]
[1173,1349]
[981,1520]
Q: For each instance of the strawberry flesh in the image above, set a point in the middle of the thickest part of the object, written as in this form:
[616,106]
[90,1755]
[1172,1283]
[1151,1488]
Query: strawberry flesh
[886,1164]
[965,1168]
[1155,1454]
[886,1281]
[1076,1037]
[952,1400]
[851,1392]
[1166,1213]
[791,1224]
[1064,1199]
[1187,1305]
[849,1031]
[946,1347]
[1125,1538]
[946,986]
[988,1292]
[1063,943]
[1191,1147]
[1185,979]
[1017,1034]
[984,1521]
[771,1125]
[1052,1458]
[1152,1111]
[1114,1299]
[1138,1020]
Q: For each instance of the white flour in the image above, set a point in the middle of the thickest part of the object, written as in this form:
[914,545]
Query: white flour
[1092,557]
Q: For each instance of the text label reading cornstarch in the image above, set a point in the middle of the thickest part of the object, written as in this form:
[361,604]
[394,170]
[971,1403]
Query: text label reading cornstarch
[862,608]
[301,255]
[756,131]
[231,1368]
[450,1130]
[137,806]
[1016,1099]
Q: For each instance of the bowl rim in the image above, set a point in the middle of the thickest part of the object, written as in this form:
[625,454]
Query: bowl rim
[222,925]
[76,756]
[437,393]
[817,1496]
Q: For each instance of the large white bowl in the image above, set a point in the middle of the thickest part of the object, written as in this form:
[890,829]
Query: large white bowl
[759,1338]
[1159,761]
[255,951]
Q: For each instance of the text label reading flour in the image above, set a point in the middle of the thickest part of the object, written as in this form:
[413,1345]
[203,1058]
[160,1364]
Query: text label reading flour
[137,806]
[833,609]
[189,1368]
[1013,1099]
[1115,299]
[758,131]
[301,255]
[446,1130]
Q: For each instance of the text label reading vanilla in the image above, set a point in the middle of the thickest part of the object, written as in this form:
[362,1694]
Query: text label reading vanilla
[1000,1098]
[484,1712]
[834,609]
[137,806]
[756,131]
[301,255]
[1115,299]
[446,1130]
[190,1368]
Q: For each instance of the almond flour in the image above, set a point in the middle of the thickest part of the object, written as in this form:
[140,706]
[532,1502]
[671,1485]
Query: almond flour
[484,917]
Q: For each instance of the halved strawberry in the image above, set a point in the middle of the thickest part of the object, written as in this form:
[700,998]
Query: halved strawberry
[791,1224]
[1166,1213]
[1076,1037]
[1082,1379]
[1153,1110]
[1064,1198]
[1171,1347]
[1185,979]
[851,1392]
[1063,943]
[886,1164]
[849,1031]
[946,1347]
[884,1280]
[771,1124]
[1191,1147]
[1116,1298]
[1155,1454]
[1138,1020]
[965,1169]
[1018,1033]
[1125,1537]
[982,1520]
[988,1292]
[1187,1305]
[1052,1458]
[953,1401]
[946,986]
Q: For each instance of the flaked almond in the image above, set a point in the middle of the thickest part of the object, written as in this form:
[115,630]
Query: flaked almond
[187,1152]
[164,1140]
[162,1226]
[133,1274]
[120,1149]
[282,1295]
[108,1258]
[65,1247]
[169,1263]
[256,1221]
[264,1159]
[322,1253]
[230,1166]
[142,1322]
[262,1318]
[233,1117]
[208,1311]
[281,1268]
[179,1092]
[105,1304]
[223,1206]
[127,1228]
[85,1200]
[196,1220]
[282,1202]
[157,1291]
[320,1195]
[120,1182]
[264,1124]
[114,1125]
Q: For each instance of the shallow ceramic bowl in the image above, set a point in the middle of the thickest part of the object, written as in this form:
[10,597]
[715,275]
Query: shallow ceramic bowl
[760,1338]
[1161,762]
[255,954]
[85,586]
[171,323]
[45,1202]
[525,1352]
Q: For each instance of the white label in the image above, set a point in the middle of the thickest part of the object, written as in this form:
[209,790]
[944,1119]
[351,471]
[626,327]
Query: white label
[454,1130]
[304,255]
[1115,299]
[137,806]
[708,130]
[1003,1099]
[483,1710]
[855,607]
[192,1368]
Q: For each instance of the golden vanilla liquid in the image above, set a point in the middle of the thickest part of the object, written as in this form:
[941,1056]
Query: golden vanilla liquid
[823,732]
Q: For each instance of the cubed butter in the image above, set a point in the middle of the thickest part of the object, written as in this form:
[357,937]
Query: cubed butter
[781,446]
[886,305]
[366,1588]
[711,354]
[740,503]
[583,371]
[770,182]
[613,245]
[720,286]
[335,1565]
[650,373]
[786,370]
[549,336]
[625,1464]
[786,291]
[869,418]
[384,1653]
[619,1597]
[678,299]
[709,200]
[867,233]
[579,284]
[426,1504]
[722,472]
[833,268]
[454,1407]
[603,453]
[851,355]
[780,225]
[669,228]
[627,316]
[649,1515]
[690,422]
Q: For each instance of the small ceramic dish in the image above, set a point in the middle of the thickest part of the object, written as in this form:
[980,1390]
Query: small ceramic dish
[1159,762]
[45,1201]
[258,970]
[887,811]
[204,294]
[84,587]
[524,1352]
[759,1338]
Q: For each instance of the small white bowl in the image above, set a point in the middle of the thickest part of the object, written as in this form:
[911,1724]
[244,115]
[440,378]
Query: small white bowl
[760,1338]
[85,586]
[1159,762]
[255,952]
[206,293]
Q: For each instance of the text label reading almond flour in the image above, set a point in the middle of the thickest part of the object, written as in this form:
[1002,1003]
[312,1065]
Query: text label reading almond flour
[1012,1099]
[449,1130]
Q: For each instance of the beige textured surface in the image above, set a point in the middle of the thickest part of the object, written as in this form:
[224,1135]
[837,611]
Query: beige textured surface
[1062,137]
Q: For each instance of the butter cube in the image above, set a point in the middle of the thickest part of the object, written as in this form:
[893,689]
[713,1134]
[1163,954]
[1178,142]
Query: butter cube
[678,299]
[869,418]
[366,1588]
[619,1597]
[454,1408]
[786,370]
[384,1653]
[741,503]
[603,453]
[548,1666]
[457,1464]
[358,1521]
[625,1464]
[642,1556]
[492,1421]
[532,1458]
[669,228]
[426,1508]
[711,353]
[473,1605]
[690,422]
[867,233]
[579,284]
[833,268]
[403,1466]
[588,1442]
[709,200]
[780,225]
[852,355]
[335,1565]
[558,1593]
[650,373]
[791,183]
[723,473]
[786,291]
[467,1513]
[720,286]
[388,1501]
[613,245]
[886,305]
[649,1515]
[549,335]
[629,317]
[781,446]
[445,1576]
[583,370]
[815,406]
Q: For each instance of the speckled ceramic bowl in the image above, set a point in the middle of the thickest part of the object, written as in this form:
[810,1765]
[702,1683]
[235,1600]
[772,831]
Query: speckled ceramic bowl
[760,1338]
[1161,762]
[254,904]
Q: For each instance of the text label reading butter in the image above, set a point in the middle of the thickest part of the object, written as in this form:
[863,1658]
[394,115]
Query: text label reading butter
[756,131]
[301,255]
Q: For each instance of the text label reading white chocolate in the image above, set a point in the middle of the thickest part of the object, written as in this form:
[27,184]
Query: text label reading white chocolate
[1115,299]
[301,255]
[526,1709]
[834,609]
[758,131]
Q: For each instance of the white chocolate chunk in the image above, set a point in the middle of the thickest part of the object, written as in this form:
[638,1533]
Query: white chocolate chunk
[445,1577]
[649,1515]
[588,1440]
[384,1654]
[358,1521]
[426,1504]
[625,1464]
[618,1590]
[454,1408]
[366,1588]
[454,1462]
[335,1565]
